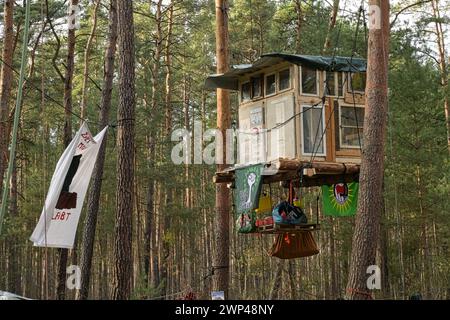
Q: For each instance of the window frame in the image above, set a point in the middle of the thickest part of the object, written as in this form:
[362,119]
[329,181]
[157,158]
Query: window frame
[278,90]
[341,144]
[324,139]
[259,77]
[241,91]
[349,83]
[265,84]
[317,83]
[336,84]
[343,84]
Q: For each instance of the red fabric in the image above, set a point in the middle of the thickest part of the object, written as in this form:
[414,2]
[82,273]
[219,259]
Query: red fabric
[267,221]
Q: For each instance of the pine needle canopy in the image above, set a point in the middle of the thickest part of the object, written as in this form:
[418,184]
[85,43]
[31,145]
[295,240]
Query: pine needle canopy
[230,79]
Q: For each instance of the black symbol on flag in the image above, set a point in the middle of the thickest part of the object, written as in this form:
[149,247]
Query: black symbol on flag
[68,200]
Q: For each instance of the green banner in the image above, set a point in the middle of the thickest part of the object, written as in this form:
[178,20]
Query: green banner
[248,188]
[340,199]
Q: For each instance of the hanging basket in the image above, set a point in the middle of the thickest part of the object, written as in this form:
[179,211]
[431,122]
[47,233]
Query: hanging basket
[291,246]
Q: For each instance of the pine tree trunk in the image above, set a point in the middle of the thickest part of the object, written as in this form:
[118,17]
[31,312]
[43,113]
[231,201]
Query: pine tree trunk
[125,145]
[68,79]
[168,64]
[187,198]
[292,282]
[426,258]
[87,55]
[331,25]
[442,65]
[334,284]
[5,84]
[222,232]
[277,280]
[90,223]
[150,263]
[372,161]
[298,26]
[168,198]
[383,257]
[61,277]
[399,234]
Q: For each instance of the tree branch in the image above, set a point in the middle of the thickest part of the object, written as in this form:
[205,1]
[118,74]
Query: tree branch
[58,43]
[407,8]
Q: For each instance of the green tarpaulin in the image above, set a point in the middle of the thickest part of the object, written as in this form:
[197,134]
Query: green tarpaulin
[230,80]
[340,199]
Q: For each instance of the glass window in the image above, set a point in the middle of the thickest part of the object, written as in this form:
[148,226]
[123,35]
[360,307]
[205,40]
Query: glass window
[309,81]
[270,84]
[331,83]
[256,87]
[340,84]
[285,80]
[352,121]
[245,91]
[313,130]
[358,82]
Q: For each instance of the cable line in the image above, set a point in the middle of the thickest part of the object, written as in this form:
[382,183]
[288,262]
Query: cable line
[360,10]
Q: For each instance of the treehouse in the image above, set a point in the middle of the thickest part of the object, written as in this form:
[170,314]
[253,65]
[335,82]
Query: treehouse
[298,112]
[300,122]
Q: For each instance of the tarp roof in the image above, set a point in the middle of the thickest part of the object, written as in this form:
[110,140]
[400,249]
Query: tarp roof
[230,80]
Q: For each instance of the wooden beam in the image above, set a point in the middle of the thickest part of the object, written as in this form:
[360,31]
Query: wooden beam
[329,138]
[349,153]
[329,180]
[321,167]
[320,173]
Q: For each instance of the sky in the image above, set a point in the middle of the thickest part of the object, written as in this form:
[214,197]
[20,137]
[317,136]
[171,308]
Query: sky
[407,18]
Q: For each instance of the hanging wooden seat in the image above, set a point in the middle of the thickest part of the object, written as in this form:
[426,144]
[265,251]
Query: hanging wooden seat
[287,228]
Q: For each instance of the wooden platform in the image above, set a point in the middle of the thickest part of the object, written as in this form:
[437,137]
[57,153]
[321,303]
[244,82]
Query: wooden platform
[315,173]
[287,228]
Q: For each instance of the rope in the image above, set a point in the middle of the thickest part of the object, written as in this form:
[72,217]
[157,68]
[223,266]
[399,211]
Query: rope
[12,152]
[365,27]
[338,35]
[326,89]
[49,97]
[314,153]
[44,180]
[361,10]
[323,134]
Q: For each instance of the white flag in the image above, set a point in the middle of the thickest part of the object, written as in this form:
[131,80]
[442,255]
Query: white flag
[58,223]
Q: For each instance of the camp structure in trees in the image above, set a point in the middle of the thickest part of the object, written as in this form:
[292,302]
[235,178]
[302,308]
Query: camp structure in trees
[298,112]
[301,118]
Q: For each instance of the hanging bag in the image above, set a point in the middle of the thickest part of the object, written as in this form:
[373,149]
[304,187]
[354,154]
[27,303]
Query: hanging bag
[286,213]
[296,245]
